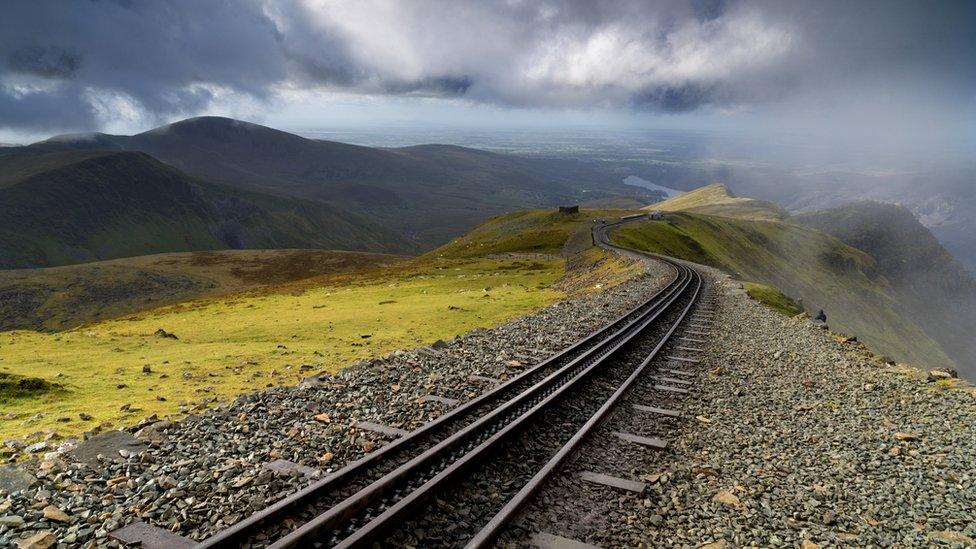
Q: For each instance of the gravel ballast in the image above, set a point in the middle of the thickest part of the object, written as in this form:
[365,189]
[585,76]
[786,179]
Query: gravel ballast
[792,437]
[206,472]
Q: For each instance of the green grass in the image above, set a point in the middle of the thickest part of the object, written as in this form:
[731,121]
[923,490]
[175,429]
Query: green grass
[806,264]
[59,298]
[241,343]
[228,345]
[14,388]
[530,231]
[772,298]
[716,200]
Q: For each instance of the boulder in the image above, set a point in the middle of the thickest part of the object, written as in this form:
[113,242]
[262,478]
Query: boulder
[12,521]
[53,513]
[942,373]
[40,540]
[439,344]
[728,499]
[152,432]
[15,479]
[108,444]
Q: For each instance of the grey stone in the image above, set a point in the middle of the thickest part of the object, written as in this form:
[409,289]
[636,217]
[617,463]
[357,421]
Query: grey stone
[36,447]
[284,466]
[12,520]
[108,444]
[14,479]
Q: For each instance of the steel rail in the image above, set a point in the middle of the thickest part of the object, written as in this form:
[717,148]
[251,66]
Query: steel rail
[392,497]
[487,535]
[236,534]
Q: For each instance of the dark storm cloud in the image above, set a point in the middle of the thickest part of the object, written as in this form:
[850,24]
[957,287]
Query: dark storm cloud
[160,56]
[72,64]
[47,61]
[434,86]
[674,99]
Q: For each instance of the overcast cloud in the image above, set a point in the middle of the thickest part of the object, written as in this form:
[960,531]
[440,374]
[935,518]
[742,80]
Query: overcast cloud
[108,64]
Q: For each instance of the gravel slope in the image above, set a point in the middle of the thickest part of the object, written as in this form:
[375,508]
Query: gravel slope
[792,437]
[202,474]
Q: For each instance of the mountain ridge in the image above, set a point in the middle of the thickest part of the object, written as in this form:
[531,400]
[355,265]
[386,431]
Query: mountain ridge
[427,193]
[937,288]
[877,272]
[89,205]
[716,199]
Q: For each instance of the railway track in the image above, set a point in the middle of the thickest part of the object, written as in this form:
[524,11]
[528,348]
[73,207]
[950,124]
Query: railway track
[379,496]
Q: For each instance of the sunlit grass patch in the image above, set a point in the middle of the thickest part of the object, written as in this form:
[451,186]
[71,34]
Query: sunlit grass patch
[228,346]
[772,298]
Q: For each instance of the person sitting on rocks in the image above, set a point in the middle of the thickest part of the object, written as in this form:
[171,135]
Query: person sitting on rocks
[821,316]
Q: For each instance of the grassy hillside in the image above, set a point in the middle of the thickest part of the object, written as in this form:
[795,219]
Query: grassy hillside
[241,343]
[937,290]
[70,207]
[428,193]
[805,264]
[537,231]
[772,298]
[59,298]
[278,334]
[717,200]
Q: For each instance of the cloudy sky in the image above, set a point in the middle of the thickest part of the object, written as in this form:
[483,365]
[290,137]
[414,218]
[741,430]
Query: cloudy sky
[883,67]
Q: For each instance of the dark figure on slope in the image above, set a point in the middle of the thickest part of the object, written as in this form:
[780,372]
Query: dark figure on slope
[821,316]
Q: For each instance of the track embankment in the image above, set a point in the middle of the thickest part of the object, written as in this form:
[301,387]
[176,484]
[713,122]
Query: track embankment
[792,437]
[777,433]
[201,475]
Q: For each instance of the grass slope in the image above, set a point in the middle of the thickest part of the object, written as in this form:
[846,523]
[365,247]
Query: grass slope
[806,264]
[280,333]
[536,231]
[82,206]
[717,200]
[59,298]
[772,298]
[937,290]
[240,343]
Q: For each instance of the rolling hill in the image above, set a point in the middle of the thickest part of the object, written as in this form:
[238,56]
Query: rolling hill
[865,283]
[427,193]
[717,200]
[234,323]
[937,290]
[74,206]
[60,298]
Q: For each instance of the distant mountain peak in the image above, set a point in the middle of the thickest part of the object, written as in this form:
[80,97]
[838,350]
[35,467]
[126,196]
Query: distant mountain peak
[208,125]
[85,140]
[75,137]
